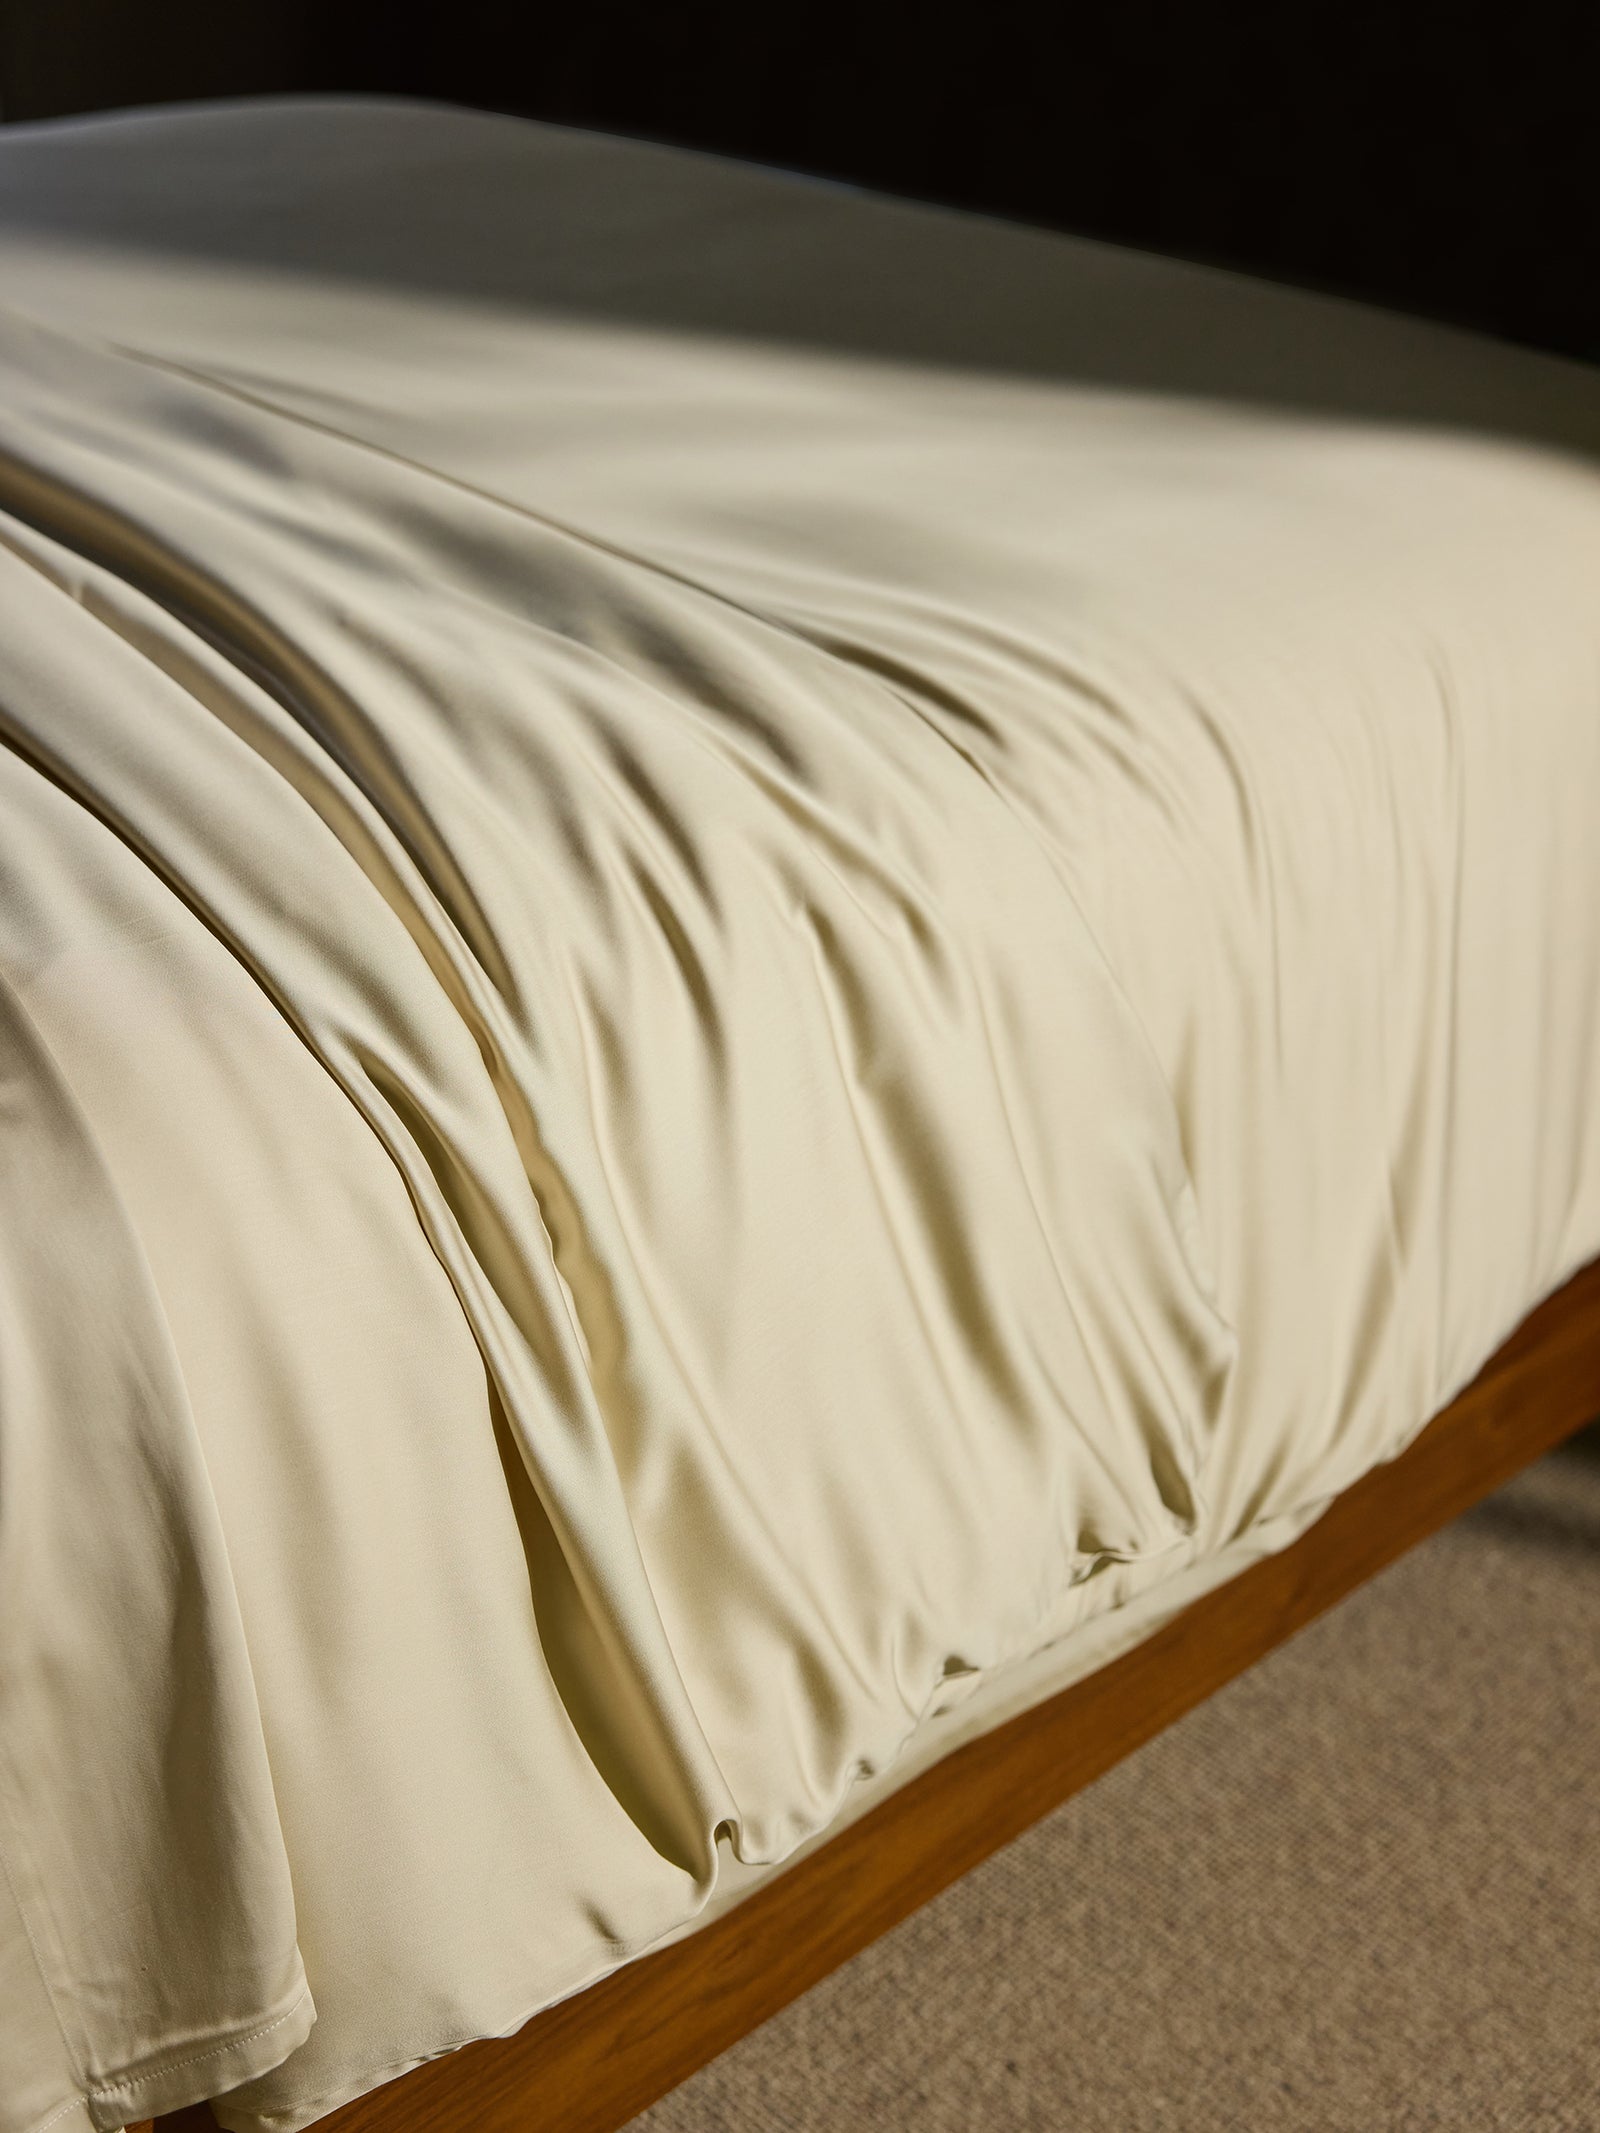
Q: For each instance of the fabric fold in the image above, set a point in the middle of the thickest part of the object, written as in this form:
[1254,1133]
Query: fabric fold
[119,1623]
[765,957]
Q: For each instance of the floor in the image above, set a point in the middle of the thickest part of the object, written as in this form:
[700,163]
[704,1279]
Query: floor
[1357,1892]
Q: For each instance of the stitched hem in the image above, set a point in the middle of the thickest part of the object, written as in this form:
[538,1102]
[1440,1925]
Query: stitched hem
[172,2084]
[73,2103]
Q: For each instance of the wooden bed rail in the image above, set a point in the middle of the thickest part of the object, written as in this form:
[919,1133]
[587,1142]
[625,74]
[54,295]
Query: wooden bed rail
[592,2063]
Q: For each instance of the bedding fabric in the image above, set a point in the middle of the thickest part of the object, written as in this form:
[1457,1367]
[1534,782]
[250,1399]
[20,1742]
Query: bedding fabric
[758,951]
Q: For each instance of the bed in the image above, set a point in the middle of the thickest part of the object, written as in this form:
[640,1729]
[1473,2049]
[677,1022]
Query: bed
[783,981]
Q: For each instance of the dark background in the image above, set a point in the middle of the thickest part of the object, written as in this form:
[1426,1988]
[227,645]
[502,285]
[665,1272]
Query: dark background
[1421,155]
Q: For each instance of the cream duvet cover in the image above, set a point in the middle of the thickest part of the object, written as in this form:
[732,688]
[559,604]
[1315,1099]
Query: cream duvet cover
[759,954]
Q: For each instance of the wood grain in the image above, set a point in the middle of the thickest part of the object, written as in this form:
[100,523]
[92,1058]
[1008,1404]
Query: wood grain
[589,2065]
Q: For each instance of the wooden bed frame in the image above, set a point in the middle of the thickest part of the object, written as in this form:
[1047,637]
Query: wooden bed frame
[592,2063]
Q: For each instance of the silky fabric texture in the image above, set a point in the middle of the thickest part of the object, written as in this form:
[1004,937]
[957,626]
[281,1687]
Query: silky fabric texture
[755,948]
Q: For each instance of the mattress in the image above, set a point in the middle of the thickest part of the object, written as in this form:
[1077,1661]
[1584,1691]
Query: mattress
[764,957]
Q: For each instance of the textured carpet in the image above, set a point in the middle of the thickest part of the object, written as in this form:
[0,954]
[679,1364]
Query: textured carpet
[1357,1892]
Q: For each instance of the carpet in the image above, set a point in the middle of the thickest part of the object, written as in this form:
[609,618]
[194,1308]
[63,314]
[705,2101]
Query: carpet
[1356,1892]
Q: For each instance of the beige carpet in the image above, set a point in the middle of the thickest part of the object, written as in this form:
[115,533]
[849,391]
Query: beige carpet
[1358,1892]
